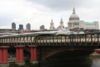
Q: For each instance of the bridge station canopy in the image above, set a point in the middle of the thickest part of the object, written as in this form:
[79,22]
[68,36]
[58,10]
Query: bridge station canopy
[42,33]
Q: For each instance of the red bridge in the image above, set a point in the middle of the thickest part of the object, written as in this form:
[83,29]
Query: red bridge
[40,47]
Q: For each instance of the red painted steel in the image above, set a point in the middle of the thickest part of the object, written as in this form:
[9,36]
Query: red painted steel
[5,56]
[33,51]
[1,56]
[19,55]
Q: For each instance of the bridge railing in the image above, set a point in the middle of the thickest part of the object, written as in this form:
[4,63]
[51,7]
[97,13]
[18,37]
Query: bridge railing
[17,39]
[56,39]
[74,38]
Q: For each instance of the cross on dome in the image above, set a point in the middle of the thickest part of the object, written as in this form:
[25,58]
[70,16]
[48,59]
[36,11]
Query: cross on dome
[74,11]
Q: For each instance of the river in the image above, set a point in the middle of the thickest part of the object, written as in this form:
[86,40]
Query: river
[96,63]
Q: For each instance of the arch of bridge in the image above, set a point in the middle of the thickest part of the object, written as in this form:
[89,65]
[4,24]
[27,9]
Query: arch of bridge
[57,51]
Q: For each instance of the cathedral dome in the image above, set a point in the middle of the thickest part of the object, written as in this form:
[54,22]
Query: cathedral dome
[74,16]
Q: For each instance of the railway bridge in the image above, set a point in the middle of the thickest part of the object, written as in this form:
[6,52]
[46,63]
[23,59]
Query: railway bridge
[44,48]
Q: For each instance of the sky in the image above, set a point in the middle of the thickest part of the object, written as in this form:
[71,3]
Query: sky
[40,12]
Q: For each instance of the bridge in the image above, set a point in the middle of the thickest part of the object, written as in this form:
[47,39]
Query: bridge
[41,47]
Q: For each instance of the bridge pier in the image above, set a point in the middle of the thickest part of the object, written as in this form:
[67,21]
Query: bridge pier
[33,51]
[19,55]
[4,56]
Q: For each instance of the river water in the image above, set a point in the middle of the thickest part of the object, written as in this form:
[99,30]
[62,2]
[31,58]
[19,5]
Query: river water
[96,62]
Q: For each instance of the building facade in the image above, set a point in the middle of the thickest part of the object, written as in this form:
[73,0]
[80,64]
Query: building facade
[28,27]
[89,25]
[21,27]
[13,26]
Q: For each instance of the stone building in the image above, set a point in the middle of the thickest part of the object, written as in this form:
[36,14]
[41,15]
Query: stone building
[75,23]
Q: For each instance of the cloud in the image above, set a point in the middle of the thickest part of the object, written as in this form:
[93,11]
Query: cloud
[23,12]
[61,4]
[15,11]
[40,12]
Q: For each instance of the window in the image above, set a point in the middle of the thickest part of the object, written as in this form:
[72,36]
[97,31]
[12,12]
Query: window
[76,23]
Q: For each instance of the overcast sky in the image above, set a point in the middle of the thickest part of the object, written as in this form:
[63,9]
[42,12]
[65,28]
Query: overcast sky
[40,12]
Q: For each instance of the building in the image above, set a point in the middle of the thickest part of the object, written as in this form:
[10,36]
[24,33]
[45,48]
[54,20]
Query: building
[6,31]
[13,26]
[89,25]
[42,28]
[74,21]
[75,24]
[28,27]
[59,28]
[21,27]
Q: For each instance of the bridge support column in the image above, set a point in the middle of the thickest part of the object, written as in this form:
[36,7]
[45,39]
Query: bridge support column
[4,57]
[19,55]
[1,52]
[33,51]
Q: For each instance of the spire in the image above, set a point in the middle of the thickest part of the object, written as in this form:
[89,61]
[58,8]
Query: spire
[61,21]
[74,11]
[61,26]
[52,22]
[52,25]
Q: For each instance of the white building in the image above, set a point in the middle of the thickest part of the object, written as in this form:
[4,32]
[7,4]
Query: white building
[89,25]
[76,24]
